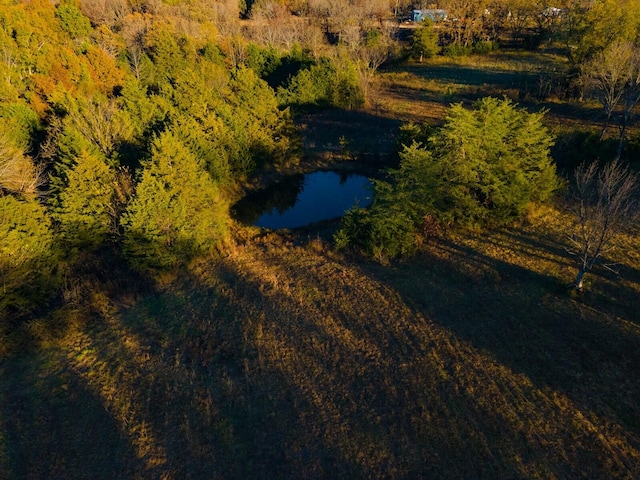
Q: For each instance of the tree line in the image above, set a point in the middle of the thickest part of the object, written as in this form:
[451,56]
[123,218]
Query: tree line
[127,125]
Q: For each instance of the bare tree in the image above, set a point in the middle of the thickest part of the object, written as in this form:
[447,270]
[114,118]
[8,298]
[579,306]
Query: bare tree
[274,24]
[312,38]
[465,23]
[612,77]
[18,172]
[105,12]
[517,16]
[605,203]
[99,122]
[368,59]
[134,29]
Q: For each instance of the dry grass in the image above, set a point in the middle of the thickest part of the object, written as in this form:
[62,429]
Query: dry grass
[285,360]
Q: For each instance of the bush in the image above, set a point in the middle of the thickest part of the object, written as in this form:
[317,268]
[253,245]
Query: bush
[484,47]
[457,50]
[377,232]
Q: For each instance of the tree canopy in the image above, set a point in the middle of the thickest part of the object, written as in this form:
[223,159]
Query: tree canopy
[177,210]
[483,167]
[27,253]
[490,162]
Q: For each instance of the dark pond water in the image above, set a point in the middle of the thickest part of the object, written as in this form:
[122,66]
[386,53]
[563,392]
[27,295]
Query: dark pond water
[301,200]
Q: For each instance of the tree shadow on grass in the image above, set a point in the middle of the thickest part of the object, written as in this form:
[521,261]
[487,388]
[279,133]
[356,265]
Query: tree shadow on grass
[348,133]
[612,291]
[426,390]
[468,84]
[220,409]
[473,76]
[257,369]
[342,405]
[282,362]
[530,323]
[54,427]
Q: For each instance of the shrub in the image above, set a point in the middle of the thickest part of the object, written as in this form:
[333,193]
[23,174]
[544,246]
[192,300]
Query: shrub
[457,50]
[378,232]
[484,47]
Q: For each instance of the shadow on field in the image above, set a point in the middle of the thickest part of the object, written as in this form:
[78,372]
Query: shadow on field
[349,133]
[283,361]
[54,427]
[447,84]
[530,323]
[471,76]
[331,387]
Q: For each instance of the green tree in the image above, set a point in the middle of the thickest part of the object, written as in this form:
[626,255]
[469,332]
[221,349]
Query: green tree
[483,167]
[325,83]
[170,52]
[86,206]
[26,254]
[490,162]
[257,122]
[424,42]
[177,211]
[600,24]
[72,21]
[20,124]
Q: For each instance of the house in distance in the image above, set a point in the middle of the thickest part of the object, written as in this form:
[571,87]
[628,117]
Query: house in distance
[433,14]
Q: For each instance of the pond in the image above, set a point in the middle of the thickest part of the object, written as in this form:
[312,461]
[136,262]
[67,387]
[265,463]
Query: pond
[300,200]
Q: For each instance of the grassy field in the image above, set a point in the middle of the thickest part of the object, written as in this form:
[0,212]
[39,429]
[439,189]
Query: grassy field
[284,359]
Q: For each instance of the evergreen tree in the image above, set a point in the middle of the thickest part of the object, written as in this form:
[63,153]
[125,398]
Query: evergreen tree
[490,162]
[483,167]
[86,211]
[26,253]
[177,211]
[424,41]
[72,21]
